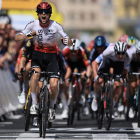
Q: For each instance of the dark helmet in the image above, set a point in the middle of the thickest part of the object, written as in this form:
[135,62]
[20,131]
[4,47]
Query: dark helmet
[83,45]
[100,41]
[44,6]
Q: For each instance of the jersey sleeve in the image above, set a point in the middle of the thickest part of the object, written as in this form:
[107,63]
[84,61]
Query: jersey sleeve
[84,58]
[91,55]
[28,28]
[65,51]
[107,52]
[26,48]
[61,30]
[19,56]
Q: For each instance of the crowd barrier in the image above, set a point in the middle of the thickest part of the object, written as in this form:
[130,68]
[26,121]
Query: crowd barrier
[8,91]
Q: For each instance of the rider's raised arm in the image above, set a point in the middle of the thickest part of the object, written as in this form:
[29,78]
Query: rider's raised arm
[26,32]
[66,40]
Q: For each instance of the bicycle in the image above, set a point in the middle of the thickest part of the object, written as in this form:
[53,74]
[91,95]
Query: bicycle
[44,104]
[74,98]
[28,103]
[138,97]
[105,102]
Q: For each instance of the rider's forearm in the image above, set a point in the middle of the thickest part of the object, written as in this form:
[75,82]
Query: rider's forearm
[69,42]
[22,63]
[16,68]
[68,73]
[20,37]
[88,73]
[94,68]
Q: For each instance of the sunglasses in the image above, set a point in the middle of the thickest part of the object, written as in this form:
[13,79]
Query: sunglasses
[74,51]
[120,53]
[46,11]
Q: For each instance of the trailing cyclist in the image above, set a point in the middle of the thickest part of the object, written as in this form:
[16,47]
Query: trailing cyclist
[99,46]
[25,64]
[77,60]
[44,32]
[113,57]
[134,56]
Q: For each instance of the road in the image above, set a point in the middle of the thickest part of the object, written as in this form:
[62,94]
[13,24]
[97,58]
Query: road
[85,129]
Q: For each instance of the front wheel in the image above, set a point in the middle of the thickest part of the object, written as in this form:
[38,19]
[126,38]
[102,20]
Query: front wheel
[100,111]
[45,111]
[71,108]
[27,120]
[108,106]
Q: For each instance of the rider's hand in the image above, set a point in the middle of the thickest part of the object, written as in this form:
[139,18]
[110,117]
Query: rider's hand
[96,79]
[31,33]
[20,75]
[65,40]
[88,80]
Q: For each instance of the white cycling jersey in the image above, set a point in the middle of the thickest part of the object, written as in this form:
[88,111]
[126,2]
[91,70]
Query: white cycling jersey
[132,54]
[46,40]
[109,52]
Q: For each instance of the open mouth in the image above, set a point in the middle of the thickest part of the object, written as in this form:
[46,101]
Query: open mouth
[43,18]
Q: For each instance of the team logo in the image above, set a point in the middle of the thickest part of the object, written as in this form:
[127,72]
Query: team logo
[28,43]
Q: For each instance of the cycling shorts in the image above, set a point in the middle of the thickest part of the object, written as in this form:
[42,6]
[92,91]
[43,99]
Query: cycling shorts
[78,64]
[105,66]
[39,59]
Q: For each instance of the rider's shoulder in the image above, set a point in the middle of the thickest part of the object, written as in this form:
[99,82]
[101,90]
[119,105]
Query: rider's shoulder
[111,44]
[66,48]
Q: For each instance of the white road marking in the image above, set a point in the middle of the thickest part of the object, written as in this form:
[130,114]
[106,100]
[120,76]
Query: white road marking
[6,123]
[34,136]
[8,136]
[15,116]
[59,122]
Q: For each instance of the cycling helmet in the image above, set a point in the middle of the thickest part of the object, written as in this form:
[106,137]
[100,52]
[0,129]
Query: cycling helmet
[44,6]
[138,47]
[120,47]
[123,38]
[83,45]
[99,41]
[76,45]
[131,41]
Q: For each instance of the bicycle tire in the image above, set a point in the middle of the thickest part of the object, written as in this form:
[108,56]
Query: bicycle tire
[100,110]
[128,104]
[40,125]
[40,115]
[27,120]
[78,106]
[71,108]
[109,106]
[45,111]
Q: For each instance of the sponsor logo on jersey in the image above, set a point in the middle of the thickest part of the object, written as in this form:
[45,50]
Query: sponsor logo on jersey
[28,43]
[40,38]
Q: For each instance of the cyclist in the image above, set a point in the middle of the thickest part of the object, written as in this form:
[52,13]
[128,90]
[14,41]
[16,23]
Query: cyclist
[77,58]
[25,62]
[21,95]
[123,38]
[44,32]
[130,41]
[134,55]
[99,46]
[114,56]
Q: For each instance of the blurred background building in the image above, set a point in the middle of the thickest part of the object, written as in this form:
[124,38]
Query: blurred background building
[83,19]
